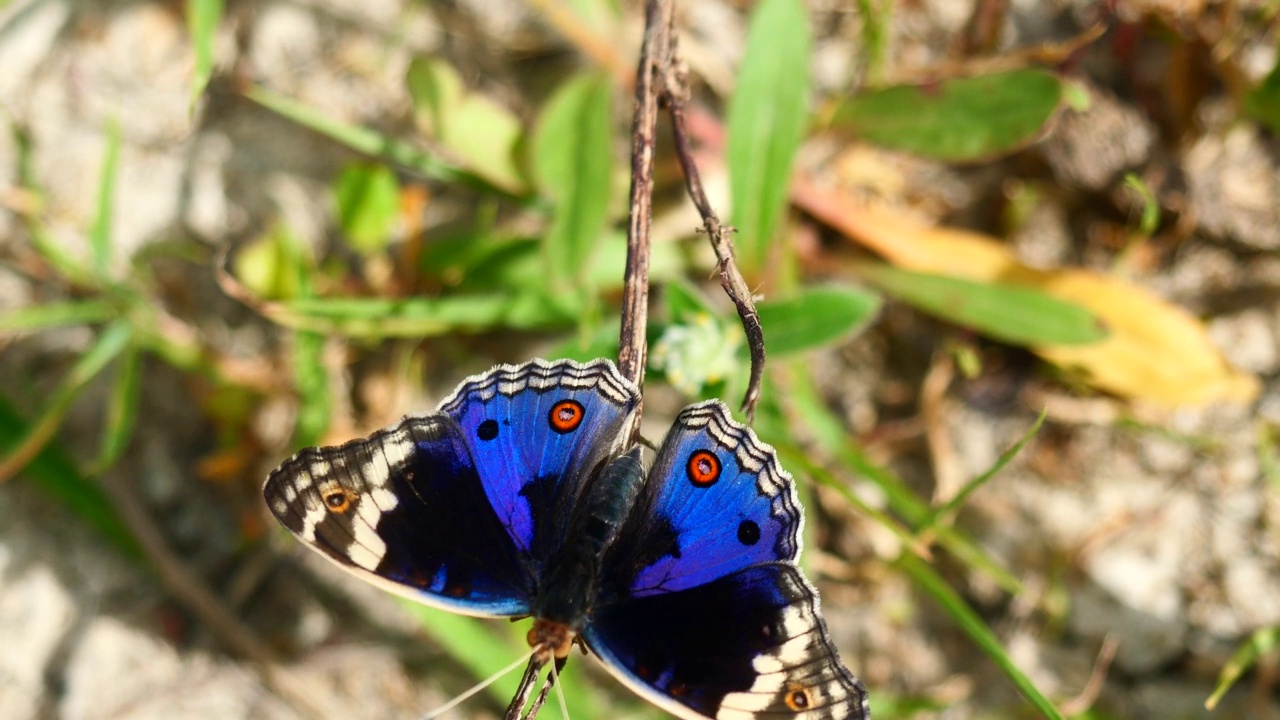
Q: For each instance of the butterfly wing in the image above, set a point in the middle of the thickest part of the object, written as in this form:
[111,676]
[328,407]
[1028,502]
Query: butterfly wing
[405,509]
[703,609]
[537,431]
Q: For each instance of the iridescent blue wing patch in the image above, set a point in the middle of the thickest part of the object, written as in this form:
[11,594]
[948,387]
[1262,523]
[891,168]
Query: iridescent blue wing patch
[537,431]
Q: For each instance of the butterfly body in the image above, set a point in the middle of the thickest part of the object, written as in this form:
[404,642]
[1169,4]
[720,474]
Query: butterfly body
[518,498]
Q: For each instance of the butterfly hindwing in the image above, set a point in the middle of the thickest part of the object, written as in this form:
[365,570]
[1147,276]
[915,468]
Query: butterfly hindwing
[747,646]
[405,509]
[537,431]
[703,609]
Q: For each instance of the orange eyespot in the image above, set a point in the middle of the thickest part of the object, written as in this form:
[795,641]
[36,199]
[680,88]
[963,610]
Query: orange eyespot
[337,500]
[703,468]
[566,416]
[798,699]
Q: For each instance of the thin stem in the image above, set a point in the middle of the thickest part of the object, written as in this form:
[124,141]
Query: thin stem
[735,286]
[654,56]
[661,79]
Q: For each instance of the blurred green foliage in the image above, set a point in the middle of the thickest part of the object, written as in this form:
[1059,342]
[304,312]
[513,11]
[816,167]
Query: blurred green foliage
[557,272]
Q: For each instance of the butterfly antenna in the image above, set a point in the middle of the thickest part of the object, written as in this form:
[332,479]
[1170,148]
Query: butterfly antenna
[476,688]
[555,678]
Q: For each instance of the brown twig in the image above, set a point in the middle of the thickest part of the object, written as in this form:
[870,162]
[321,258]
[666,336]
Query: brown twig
[1093,687]
[720,235]
[662,80]
[190,590]
[655,55]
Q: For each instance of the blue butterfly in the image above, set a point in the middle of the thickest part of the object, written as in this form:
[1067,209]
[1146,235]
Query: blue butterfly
[521,497]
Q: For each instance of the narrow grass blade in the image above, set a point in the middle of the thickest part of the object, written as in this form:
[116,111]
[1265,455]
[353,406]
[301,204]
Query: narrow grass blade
[1246,656]
[1268,456]
[800,464]
[109,345]
[100,234]
[945,513]
[364,140]
[968,621]
[876,17]
[49,248]
[203,17]
[420,317]
[312,385]
[55,474]
[829,434]
[122,409]
[767,117]
[61,314]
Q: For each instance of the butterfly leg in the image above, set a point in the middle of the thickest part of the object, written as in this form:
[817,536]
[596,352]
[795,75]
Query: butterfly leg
[528,682]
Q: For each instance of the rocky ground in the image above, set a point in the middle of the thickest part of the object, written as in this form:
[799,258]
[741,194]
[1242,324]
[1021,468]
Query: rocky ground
[1151,531]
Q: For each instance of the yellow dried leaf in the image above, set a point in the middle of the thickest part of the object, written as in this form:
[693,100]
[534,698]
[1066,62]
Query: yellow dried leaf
[1154,350]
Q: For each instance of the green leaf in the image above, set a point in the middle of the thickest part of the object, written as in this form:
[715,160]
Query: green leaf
[54,473]
[1150,218]
[958,119]
[272,265]
[100,234]
[58,314]
[1012,314]
[968,621]
[573,165]
[203,17]
[815,317]
[486,265]
[767,117]
[480,131]
[368,200]
[684,301]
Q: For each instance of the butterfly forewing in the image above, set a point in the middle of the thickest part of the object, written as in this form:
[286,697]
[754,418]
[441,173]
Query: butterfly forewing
[536,432]
[405,509]
[462,508]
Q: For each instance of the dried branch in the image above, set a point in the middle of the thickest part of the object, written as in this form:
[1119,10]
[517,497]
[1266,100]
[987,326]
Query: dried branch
[654,57]
[662,80]
[720,235]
